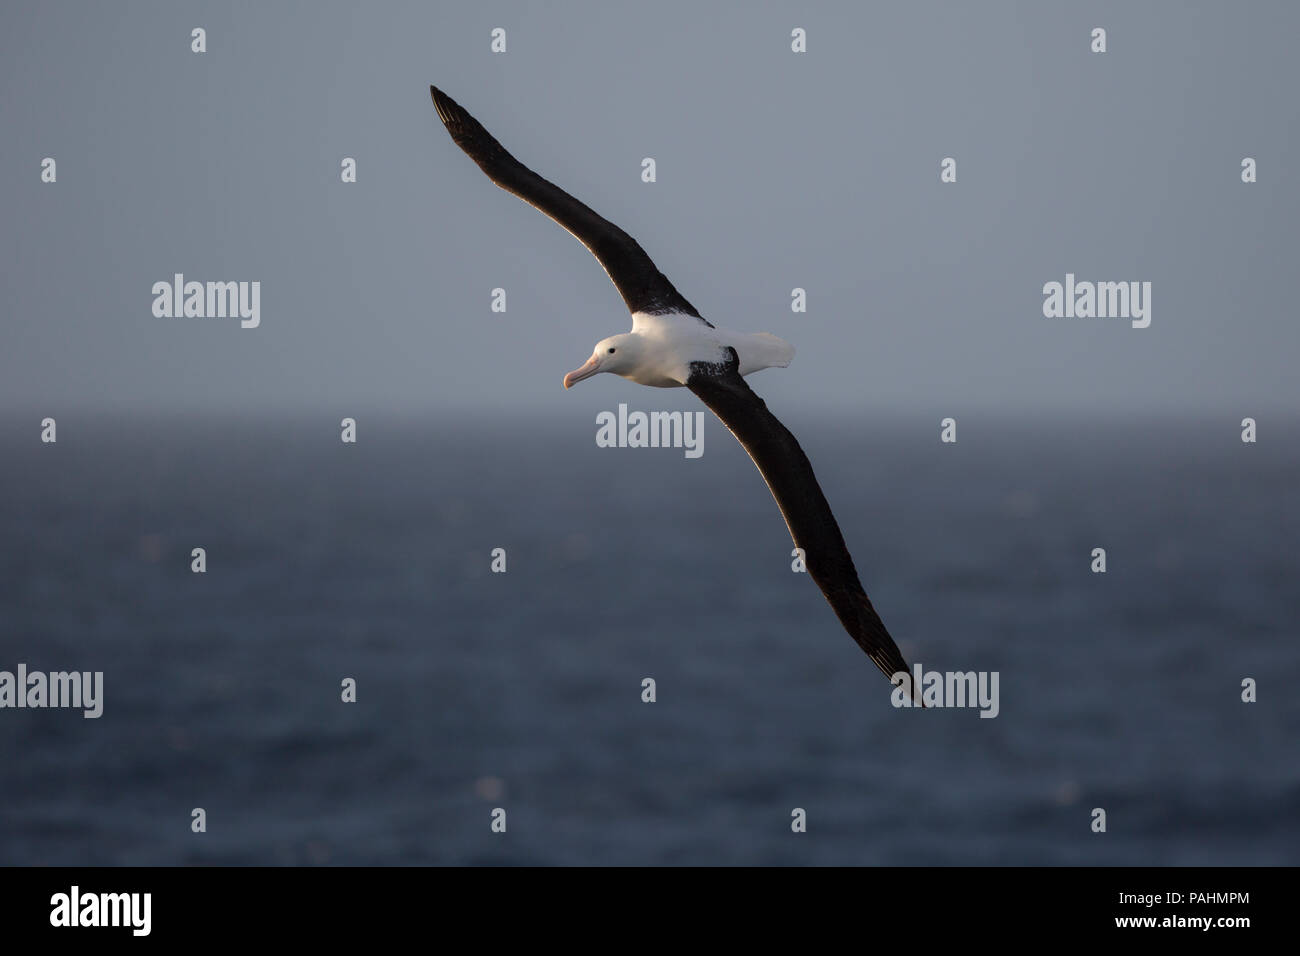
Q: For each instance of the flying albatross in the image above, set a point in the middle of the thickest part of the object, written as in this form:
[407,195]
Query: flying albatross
[672,345]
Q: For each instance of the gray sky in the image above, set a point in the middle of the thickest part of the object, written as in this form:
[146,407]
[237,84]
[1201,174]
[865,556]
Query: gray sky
[775,170]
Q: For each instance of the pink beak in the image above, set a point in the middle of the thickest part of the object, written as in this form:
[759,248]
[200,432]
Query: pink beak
[587,371]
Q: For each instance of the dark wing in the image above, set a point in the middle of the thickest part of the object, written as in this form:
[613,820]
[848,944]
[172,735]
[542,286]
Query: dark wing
[643,287]
[790,477]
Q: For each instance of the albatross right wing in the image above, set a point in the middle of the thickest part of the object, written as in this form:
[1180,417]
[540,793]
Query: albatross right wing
[789,476]
[643,287]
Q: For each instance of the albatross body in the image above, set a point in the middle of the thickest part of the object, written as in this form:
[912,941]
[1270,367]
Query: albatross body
[660,350]
[672,345]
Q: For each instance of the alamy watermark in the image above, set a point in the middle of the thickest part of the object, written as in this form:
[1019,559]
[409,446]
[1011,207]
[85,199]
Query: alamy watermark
[1100,300]
[80,689]
[653,430]
[208,300]
[947,689]
[75,908]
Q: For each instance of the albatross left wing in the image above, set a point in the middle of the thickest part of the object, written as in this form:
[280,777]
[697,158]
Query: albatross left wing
[643,287]
[812,525]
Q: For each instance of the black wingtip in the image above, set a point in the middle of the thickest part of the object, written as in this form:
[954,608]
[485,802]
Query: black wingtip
[441,102]
[464,129]
[449,111]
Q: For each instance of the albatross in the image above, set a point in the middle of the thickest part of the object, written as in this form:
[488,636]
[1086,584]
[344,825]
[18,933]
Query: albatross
[671,346]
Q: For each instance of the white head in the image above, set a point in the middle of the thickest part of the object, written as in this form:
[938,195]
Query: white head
[618,354]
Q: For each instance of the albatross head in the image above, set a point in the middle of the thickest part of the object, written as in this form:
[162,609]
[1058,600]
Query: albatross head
[618,354]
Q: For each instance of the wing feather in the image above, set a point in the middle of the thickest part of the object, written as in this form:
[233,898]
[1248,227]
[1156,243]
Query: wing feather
[789,476]
[643,287]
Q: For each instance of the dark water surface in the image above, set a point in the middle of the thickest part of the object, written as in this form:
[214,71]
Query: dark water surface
[523,690]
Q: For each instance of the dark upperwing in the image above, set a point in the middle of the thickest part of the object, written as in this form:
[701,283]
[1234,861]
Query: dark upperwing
[789,476]
[643,287]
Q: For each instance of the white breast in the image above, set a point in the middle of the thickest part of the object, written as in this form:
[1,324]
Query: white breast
[674,341]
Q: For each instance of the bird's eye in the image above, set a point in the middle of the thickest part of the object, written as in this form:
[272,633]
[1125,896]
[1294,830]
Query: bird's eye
[611,351]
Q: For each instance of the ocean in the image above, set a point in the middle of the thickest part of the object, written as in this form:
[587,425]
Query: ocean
[521,691]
